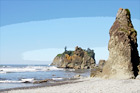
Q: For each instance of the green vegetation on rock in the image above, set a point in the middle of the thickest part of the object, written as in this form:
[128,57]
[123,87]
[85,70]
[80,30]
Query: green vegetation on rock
[59,55]
[124,30]
[70,53]
[90,52]
[77,59]
[132,32]
[128,11]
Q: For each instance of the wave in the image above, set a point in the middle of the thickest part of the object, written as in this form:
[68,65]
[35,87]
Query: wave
[57,78]
[27,80]
[4,70]
[30,80]
[9,81]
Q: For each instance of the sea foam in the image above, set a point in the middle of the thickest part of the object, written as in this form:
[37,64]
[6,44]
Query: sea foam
[27,69]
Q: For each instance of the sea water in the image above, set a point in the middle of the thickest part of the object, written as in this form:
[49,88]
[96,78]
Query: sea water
[14,76]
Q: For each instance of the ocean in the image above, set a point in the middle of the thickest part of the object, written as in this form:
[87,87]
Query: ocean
[14,76]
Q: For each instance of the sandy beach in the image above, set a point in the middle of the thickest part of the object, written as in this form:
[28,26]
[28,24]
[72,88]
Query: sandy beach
[88,85]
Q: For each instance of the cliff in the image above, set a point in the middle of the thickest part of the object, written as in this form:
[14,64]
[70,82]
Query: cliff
[78,59]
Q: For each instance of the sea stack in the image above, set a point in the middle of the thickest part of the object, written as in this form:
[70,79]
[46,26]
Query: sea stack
[123,54]
[78,59]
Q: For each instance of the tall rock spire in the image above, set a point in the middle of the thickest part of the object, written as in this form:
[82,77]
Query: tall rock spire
[123,55]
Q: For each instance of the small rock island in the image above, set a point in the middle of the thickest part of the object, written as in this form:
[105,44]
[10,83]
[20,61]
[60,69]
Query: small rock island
[78,59]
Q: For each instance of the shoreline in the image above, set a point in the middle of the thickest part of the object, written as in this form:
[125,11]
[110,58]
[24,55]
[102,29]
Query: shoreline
[41,85]
[86,85]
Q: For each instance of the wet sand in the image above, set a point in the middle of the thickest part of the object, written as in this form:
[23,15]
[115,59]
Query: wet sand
[48,84]
[87,85]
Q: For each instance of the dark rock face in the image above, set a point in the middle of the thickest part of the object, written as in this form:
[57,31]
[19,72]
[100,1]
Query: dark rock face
[123,55]
[78,59]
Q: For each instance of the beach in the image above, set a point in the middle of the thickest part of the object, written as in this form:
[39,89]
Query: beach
[88,85]
[19,76]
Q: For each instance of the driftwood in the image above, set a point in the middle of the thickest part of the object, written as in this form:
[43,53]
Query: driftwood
[41,81]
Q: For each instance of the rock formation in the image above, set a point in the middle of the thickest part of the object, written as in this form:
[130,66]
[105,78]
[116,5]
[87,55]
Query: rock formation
[96,71]
[123,55]
[78,59]
[139,66]
[139,69]
[42,81]
[101,63]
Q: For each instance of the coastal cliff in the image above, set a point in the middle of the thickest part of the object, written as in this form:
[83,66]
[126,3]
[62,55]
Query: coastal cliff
[78,59]
[123,55]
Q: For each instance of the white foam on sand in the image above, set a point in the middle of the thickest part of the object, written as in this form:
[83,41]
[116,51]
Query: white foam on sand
[89,85]
[57,78]
[29,80]
[9,81]
[27,69]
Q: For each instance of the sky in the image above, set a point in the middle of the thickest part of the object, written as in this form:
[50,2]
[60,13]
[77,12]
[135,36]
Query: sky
[35,31]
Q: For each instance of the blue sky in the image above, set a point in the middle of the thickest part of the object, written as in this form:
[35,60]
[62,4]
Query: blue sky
[33,32]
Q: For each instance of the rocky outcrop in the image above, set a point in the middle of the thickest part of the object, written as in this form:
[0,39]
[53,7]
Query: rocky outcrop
[139,66]
[123,55]
[138,77]
[42,81]
[101,63]
[58,61]
[139,69]
[78,59]
[97,70]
